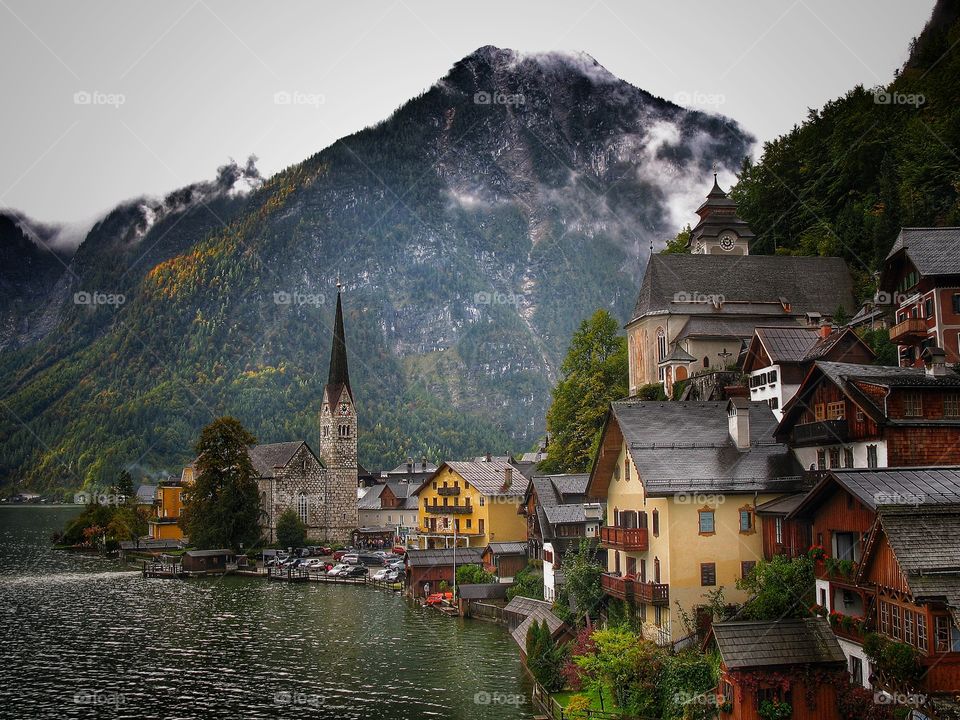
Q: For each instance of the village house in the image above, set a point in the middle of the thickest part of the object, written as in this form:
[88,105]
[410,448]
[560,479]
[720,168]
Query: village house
[505,559]
[558,517]
[778,358]
[521,612]
[921,277]
[696,312]
[681,482]
[793,662]
[388,512]
[867,416]
[168,507]
[843,512]
[476,502]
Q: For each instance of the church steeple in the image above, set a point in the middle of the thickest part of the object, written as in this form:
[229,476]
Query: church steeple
[339,376]
[720,230]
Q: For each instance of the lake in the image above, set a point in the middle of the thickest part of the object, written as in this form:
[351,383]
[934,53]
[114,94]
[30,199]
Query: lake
[83,636]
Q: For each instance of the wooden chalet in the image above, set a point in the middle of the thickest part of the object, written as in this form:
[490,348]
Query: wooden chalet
[426,569]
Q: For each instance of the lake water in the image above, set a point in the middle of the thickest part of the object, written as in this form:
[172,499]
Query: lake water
[82,637]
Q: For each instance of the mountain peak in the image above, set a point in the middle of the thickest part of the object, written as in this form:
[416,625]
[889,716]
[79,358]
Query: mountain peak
[563,62]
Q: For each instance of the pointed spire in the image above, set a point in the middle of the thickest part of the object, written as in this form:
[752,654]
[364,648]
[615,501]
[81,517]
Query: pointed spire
[716,191]
[339,376]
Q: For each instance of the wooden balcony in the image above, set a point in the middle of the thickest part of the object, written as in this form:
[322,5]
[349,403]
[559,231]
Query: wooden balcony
[630,539]
[628,588]
[909,331]
[449,509]
[821,432]
[618,587]
[448,490]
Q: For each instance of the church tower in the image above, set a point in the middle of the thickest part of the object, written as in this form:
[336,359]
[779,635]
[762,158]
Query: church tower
[338,440]
[720,230]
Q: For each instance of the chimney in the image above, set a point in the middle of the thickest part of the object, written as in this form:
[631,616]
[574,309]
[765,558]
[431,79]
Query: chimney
[507,477]
[409,466]
[825,329]
[935,361]
[738,422]
[488,457]
[423,464]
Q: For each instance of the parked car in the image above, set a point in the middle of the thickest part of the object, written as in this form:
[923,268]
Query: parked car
[337,569]
[371,559]
[399,550]
[338,555]
[394,576]
[314,564]
[355,571]
[397,565]
[382,574]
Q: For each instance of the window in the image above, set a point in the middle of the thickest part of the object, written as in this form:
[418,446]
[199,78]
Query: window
[481,500]
[835,410]
[661,344]
[706,361]
[912,404]
[746,519]
[823,598]
[896,628]
[951,405]
[943,633]
[956,303]
[856,670]
[773,403]
[834,458]
[326,431]
[708,574]
[772,376]
[643,573]
[884,617]
[819,412]
[928,308]
[626,469]
[821,460]
[908,627]
[631,566]
[480,526]
[922,631]
[872,456]
[778,525]
[656,522]
[707,526]
[303,508]
[746,567]
[343,431]
[848,457]
[656,570]
[658,616]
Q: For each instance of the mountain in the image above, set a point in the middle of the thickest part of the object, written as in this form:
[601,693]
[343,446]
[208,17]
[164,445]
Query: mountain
[473,230]
[855,171]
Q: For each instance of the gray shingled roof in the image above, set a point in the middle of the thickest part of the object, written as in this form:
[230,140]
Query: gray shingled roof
[539,615]
[721,326]
[525,606]
[444,556]
[781,505]
[508,548]
[787,344]
[924,539]
[809,284]
[560,499]
[933,251]
[571,483]
[273,455]
[482,591]
[371,498]
[656,433]
[208,553]
[146,493]
[750,644]
[487,477]
[895,486]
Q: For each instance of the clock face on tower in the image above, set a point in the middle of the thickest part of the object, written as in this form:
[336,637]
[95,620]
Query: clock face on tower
[344,409]
[727,240]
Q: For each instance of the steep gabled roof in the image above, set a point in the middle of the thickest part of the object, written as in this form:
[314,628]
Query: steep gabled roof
[886,486]
[444,556]
[808,284]
[267,457]
[757,643]
[655,436]
[931,250]
[486,477]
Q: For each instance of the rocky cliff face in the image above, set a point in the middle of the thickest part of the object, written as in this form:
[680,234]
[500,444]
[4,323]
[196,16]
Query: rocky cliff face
[473,230]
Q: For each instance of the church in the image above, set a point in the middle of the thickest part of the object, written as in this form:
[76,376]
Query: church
[697,311]
[320,488]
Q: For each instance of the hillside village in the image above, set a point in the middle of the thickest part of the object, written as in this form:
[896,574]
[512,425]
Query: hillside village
[784,442]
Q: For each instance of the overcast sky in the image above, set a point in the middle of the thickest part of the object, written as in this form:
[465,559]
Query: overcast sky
[170,90]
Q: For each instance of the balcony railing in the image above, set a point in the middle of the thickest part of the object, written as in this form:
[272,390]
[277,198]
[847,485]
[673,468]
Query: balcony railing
[448,490]
[821,432]
[635,539]
[908,331]
[627,587]
[449,509]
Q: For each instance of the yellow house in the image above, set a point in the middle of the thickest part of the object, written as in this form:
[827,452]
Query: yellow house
[476,502]
[168,506]
[681,482]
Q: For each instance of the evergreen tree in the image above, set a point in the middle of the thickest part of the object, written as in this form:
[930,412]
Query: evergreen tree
[124,484]
[222,508]
[594,373]
[679,244]
[291,531]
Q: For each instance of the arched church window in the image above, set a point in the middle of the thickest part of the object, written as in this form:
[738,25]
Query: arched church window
[303,508]
[706,361]
[661,344]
